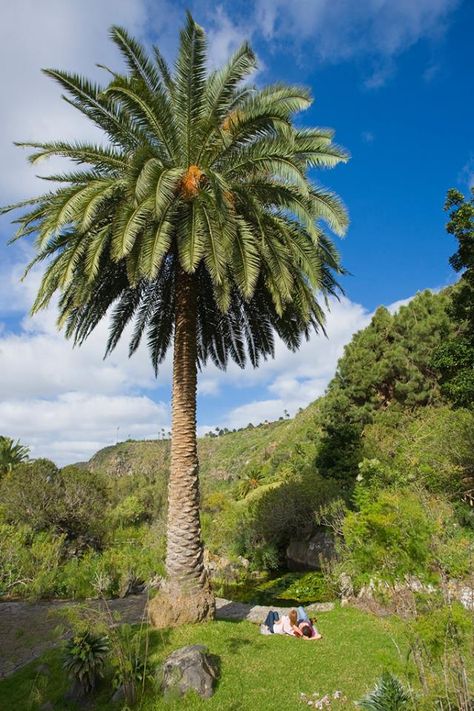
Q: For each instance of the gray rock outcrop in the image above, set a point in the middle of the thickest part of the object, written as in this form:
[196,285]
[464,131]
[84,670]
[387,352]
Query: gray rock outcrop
[189,668]
[307,554]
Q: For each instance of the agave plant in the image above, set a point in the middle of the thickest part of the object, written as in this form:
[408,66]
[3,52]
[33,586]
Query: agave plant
[196,220]
[85,658]
[388,695]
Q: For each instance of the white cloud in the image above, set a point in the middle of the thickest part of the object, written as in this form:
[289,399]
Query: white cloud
[73,426]
[397,305]
[368,136]
[63,34]
[342,30]
[224,36]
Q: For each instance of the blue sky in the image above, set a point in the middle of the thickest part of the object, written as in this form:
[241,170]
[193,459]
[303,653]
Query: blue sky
[395,80]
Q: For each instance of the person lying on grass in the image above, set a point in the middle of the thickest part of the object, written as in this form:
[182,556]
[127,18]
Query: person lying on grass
[290,624]
[306,625]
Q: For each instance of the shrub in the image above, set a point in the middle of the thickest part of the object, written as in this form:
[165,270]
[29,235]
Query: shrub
[71,502]
[85,658]
[274,513]
[389,536]
[131,510]
[441,645]
[434,448]
[29,562]
[388,695]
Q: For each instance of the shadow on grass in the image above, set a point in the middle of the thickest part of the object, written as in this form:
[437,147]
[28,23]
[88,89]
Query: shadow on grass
[235,644]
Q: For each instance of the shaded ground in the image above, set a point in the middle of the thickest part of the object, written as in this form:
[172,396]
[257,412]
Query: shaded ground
[28,629]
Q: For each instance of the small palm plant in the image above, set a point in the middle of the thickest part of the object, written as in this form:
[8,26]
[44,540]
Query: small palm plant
[388,695]
[85,658]
[249,481]
[11,454]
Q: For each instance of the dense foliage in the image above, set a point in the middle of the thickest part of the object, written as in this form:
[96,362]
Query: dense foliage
[385,365]
[398,503]
[75,533]
[455,357]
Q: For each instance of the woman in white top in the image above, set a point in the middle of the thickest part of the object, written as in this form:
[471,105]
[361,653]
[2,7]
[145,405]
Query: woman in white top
[288,624]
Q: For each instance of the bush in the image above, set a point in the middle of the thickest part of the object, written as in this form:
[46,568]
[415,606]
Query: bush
[389,536]
[29,562]
[388,695]
[70,502]
[434,448]
[134,558]
[441,645]
[396,533]
[274,513]
[85,658]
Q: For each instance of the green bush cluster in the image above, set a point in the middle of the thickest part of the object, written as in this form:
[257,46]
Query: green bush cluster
[73,533]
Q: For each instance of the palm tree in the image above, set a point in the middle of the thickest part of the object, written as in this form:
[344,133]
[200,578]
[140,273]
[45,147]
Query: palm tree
[11,454]
[197,221]
[249,481]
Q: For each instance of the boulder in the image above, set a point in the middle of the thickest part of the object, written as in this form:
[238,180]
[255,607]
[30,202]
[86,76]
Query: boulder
[463,592]
[308,553]
[346,588]
[189,668]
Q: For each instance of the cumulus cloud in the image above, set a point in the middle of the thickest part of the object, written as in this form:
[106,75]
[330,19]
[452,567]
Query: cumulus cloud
[381,29]
[74,425]
[225,35]
[67,402]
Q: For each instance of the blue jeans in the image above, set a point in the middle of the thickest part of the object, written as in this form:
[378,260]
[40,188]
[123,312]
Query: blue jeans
[302,615]
[270,619]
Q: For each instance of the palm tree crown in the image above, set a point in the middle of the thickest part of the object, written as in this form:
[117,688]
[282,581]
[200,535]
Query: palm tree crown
[199,172]
[11,454]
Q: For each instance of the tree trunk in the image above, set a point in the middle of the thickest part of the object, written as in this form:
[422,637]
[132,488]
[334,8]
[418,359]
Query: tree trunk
[186,595]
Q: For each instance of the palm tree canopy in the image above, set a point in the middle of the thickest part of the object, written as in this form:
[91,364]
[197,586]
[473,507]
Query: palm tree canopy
[11,454]
[198,171]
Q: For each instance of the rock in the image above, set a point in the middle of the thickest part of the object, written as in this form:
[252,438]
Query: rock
[118,695]
[244,562]
[463,592]
[307,554]
[189,668]
[229,610]
[224,569]
[346,587]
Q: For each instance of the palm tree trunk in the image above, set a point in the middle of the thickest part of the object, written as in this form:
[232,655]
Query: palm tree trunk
[186,595]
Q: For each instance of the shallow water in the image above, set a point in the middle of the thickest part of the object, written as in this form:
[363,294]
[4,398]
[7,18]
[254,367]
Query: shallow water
[283,588]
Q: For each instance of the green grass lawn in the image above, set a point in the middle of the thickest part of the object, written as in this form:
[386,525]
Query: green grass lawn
[257,672]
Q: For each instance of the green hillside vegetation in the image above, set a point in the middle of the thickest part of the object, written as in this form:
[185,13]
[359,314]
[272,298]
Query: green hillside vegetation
[383,436]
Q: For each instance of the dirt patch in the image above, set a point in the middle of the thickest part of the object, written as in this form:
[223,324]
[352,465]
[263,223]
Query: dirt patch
[28,629]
